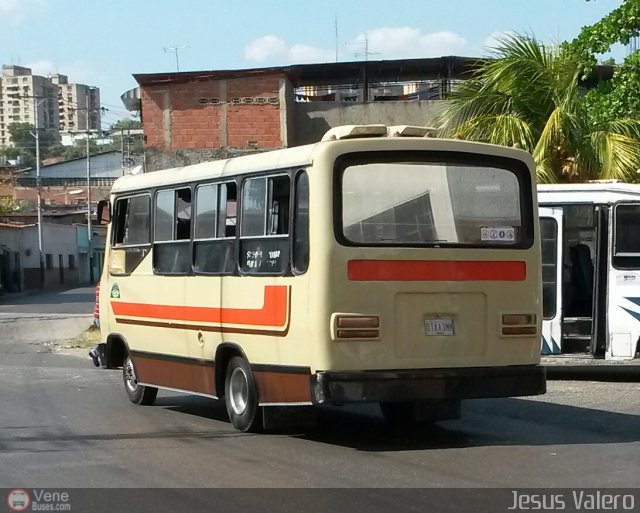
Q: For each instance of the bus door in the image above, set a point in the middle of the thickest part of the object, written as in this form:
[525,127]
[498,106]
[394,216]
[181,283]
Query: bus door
[600,280]
[624,282]
[551,243]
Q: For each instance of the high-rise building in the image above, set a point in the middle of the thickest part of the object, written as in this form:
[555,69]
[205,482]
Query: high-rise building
[61,107]
[22,97]
[75,101]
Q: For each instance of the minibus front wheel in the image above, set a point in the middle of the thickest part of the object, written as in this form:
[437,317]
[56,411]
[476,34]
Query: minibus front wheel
[241,396]
[138,394]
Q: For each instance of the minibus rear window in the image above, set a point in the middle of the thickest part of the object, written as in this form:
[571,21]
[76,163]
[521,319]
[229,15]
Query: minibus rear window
[432,203]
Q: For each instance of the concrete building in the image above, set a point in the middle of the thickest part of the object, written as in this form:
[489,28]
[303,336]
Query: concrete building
[195,116]
[61,107]
[65,255]
[65,183]
[191,117]
[22,97]
[78,104]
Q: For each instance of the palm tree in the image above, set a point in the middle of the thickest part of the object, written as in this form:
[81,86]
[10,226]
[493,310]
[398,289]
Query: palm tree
[528,95]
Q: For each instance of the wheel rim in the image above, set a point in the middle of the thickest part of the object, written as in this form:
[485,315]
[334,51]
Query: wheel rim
[238,391]
[130,379]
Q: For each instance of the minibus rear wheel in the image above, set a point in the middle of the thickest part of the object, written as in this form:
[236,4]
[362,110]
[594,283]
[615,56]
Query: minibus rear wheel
[241,396]
[138,394]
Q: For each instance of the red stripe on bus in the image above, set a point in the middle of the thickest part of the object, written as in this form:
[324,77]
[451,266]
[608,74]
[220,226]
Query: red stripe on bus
[273,312]
[435,270]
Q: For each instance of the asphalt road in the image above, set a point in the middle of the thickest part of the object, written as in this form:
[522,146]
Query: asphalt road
[65,423]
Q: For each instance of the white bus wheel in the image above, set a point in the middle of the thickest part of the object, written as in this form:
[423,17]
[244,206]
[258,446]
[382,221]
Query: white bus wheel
[138,394]
[241,396]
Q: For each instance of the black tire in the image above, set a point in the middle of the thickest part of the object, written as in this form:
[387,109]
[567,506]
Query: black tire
[138,394]
[241,396]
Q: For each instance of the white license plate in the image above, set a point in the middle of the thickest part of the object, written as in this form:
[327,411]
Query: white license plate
[439,327]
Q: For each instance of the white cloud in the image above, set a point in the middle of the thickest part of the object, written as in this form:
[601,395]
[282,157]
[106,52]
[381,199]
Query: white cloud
[493,39]
[407,43]
[381,43]
[273,49]
[17,10]
[266,48]
[77,71]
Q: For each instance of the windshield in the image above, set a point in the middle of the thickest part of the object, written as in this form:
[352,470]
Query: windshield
[418,202]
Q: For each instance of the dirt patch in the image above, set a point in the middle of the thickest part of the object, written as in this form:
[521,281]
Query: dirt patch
[86,339]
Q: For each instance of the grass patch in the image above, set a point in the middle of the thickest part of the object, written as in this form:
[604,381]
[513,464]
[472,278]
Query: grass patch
[87,338]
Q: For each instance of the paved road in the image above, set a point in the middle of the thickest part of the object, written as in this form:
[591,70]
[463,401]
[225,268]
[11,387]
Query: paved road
[64,423]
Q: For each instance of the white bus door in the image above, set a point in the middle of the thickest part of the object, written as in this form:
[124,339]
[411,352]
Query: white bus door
[551,243]
[624,283]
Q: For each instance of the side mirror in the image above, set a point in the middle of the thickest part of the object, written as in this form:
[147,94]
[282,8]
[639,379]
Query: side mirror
[104,212]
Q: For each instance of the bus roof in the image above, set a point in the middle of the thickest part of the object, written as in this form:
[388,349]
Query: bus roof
[595,193]
[300,156]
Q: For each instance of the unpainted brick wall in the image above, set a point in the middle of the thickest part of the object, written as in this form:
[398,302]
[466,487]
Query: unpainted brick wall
[210,115]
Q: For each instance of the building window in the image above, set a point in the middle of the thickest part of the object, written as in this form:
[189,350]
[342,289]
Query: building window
[48,260]
[72,261]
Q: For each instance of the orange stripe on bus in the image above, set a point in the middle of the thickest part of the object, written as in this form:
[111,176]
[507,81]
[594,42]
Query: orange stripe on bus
[435,270]
[273,312]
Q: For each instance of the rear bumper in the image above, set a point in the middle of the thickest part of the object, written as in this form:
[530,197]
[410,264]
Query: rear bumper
[421,384]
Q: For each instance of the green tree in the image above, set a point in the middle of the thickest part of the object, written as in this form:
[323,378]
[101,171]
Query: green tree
[619,97]
[528,95]
[126,124]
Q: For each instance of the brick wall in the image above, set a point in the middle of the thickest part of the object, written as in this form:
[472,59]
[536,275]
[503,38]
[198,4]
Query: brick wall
[212,117]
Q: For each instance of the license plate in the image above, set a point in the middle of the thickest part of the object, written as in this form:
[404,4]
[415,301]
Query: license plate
[438,327]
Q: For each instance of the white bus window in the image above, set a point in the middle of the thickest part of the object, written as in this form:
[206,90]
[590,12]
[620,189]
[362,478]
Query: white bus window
[301,224]
[172,234]
[254,207]
[164,212]
[206,211]
[626,253]
[549,247]
[131,225]
[131,231]
[264,242]
[400,203]
[228,210]
[214,247]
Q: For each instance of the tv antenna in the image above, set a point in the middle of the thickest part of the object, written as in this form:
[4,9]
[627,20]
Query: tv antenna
[365,53]
[175,49]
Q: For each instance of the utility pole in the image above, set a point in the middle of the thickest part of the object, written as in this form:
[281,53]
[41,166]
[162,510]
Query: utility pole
[36,103]
[90,249]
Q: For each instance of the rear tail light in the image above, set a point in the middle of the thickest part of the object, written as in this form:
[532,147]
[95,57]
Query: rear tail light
[357,327]
[519,324]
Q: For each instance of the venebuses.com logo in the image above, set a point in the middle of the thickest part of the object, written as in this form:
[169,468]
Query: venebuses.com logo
[18,500]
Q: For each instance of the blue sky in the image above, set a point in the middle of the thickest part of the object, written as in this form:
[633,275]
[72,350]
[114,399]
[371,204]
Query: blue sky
[102,43]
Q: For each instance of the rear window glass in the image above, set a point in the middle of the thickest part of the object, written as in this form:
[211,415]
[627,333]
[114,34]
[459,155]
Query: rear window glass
[435,203]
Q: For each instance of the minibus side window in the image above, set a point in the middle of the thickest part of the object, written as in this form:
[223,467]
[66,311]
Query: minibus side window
[215,227]
[264,229]
[172,232]
[301,224]
[131,233]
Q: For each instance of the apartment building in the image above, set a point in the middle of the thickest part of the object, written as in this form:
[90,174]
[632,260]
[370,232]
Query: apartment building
[61,107]
[22,97]
[78,104]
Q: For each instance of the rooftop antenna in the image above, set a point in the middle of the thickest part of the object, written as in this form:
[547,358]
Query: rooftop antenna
[336,27]
[366,51]
[175,49]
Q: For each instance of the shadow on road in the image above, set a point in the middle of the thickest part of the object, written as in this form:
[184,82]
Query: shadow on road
[489,422]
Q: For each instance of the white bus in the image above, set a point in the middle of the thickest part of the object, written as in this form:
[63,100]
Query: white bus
[374,266]
[591,269]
